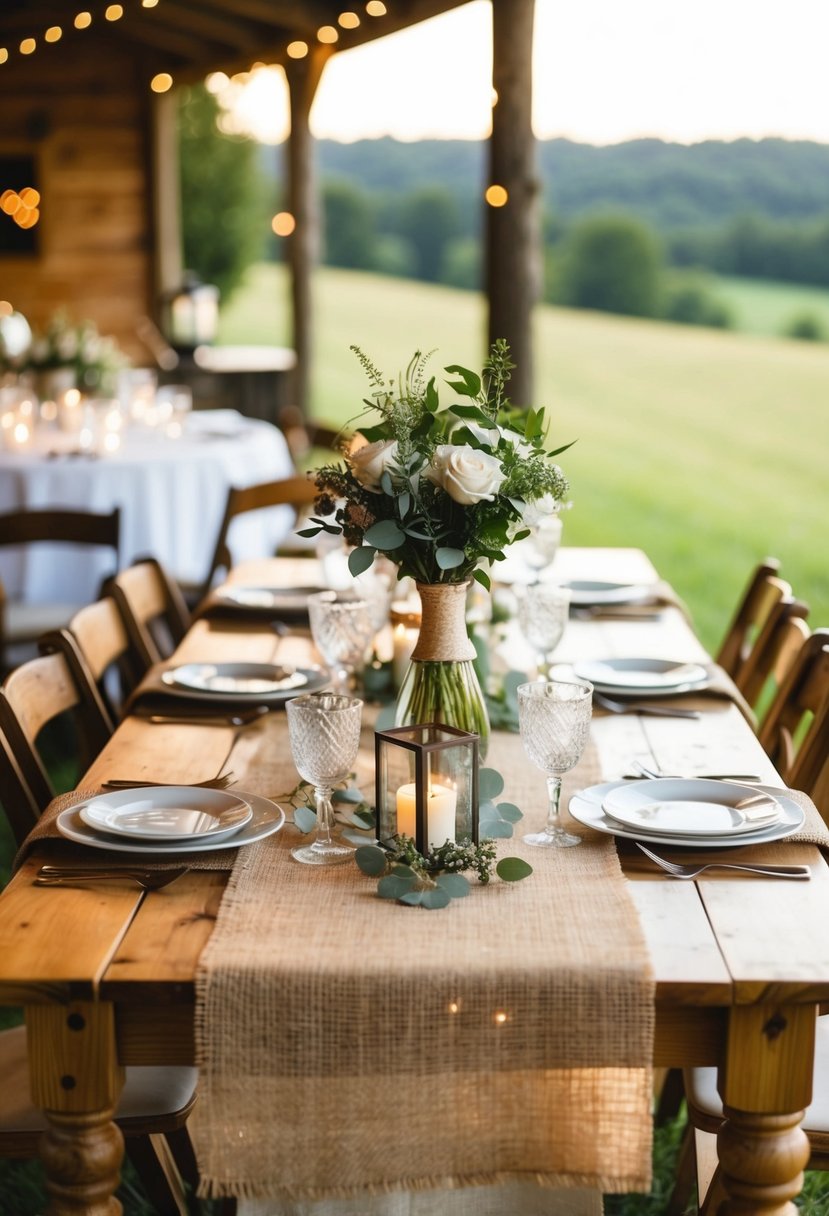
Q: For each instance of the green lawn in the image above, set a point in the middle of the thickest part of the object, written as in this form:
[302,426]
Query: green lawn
[761,307]
[704,447]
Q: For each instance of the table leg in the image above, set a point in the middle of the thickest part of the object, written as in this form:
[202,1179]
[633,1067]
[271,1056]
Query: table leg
[76,1080]
[766,1084]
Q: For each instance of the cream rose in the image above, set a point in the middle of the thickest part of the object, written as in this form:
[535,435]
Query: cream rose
[369,462]
[467,475]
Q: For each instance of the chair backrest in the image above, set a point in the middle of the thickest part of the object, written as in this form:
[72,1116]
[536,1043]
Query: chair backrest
[811,769]
[69,526]
[303,434]
[152,609]
[32,697]
[759,596]
[775,648]
[790,731]
[19,803]
[100,652]
[292,491]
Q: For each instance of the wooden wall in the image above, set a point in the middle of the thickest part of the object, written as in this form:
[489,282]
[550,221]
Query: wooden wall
[83,110]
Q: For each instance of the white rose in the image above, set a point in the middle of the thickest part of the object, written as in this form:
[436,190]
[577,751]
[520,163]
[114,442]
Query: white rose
[467,475]
[369,462]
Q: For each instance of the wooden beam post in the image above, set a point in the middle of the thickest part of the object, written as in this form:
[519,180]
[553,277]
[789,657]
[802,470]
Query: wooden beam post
[513,245]
[303,203]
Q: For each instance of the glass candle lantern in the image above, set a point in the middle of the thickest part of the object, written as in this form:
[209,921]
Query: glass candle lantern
[427,784]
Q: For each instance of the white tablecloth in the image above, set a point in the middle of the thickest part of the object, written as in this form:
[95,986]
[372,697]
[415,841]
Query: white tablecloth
[171,492]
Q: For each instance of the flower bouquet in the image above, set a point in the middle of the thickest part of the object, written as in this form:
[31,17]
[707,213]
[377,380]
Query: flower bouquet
[440,491]
[73,356]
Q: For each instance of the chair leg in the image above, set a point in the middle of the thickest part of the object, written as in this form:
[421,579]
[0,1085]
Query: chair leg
[156,1169]
[669,1096]
[181,1148]
[684,1175]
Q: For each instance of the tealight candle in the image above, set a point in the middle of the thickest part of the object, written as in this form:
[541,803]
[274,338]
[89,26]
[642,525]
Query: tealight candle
[440,813]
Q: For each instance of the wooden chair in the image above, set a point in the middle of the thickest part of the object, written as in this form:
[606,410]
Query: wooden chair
[152,609]
[304,435]
[23,622]
[155,1101]
[296,492]
[776,646]
[790,730]
[756,602]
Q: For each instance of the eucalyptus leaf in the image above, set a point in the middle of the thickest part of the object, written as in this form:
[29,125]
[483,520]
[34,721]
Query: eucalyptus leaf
[510,812]
[360,559]
[481,576]
[473,413]
[513,869]
[404,501]
[490,783]
[394,887]
[309,532]
[496,829]
[413,898]
[354,836]
[384,535]
[366,816]
[371,859]
[436,897]
[350,794]
[454,885]
[448,559]
[386,483]
[403,871]
[305,819]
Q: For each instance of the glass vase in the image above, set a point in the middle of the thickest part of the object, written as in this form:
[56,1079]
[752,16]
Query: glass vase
[441,684]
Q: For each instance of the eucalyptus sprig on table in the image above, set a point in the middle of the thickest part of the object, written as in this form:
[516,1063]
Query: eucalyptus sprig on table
[433,880]
[350,808]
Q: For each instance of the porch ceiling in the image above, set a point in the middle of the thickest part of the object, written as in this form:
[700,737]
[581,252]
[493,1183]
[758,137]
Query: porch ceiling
[190,38]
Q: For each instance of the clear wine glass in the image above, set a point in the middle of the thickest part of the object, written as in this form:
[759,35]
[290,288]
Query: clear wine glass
[554,719]
[342,626]
[542,614]
[324,729]
[544,541]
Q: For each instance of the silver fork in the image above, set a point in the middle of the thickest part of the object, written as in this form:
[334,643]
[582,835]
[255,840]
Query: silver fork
[690,871]
[639,707]
[656,774]
[148,880]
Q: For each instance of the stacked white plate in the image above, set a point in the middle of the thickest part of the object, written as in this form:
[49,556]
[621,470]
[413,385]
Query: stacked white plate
[242,683]
[170,819]
[643,677]
[693,812]
[277,600]
[586,593]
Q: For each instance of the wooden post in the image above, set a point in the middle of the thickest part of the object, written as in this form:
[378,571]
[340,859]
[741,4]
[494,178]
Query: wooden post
[303,203]
[513,247]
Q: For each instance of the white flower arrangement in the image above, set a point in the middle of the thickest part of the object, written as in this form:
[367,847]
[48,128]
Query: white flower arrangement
[94,360]
[440,492]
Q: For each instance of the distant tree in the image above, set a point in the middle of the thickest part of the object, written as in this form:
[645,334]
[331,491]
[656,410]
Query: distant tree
[807,326]
[429,219]
[690,299]
[462,264]
[349,226]
[224,209]
[612,263]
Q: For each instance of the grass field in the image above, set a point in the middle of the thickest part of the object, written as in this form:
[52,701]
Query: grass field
[760,307]
[706,448]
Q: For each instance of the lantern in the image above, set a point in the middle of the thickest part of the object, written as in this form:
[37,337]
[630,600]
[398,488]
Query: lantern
[191,314]
[427,784]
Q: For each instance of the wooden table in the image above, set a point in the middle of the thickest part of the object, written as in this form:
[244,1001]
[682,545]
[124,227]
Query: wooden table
[107,975]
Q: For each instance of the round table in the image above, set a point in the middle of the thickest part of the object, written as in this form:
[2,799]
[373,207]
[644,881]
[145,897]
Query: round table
[171,492]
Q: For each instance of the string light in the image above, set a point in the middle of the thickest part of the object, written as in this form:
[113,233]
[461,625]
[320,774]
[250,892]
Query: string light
[348,20]
[496,196]
[28,46]
[162,82]
[53,34]
[283,223]
[297,50]
[114,12]
[82,21]
[327,34]
[4,54]
[376,8]
[149,3]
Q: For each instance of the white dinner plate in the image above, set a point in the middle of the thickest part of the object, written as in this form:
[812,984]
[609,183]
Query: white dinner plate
[167,813]
[642,675]
[585,593]
[269,599]
[690,807]
[586,807]
[242,681]
[267,818]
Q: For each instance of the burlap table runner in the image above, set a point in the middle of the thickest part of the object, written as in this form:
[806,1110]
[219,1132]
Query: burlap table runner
[350,1046]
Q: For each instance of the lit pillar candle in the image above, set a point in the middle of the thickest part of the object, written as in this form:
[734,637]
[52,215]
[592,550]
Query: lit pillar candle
[440,813]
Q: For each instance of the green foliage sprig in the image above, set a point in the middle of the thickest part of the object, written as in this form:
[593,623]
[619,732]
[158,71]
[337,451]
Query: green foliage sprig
[435,879]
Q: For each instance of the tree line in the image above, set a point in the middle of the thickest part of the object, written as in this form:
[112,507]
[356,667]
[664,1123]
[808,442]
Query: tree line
[629,228]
